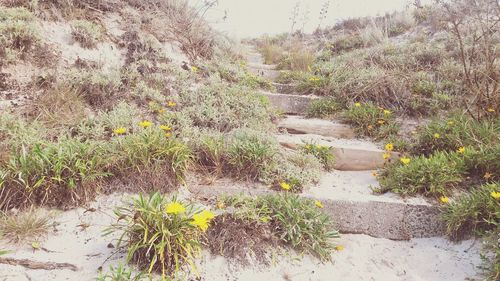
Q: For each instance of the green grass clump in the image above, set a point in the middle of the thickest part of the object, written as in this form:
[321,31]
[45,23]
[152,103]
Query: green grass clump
[87,33]
[121,273]
[26,225]
[322,153]
[322,108]
[297,221]
[370,120]
[161,234]
[472,212]
[272,53]
[433,176]
[250,151]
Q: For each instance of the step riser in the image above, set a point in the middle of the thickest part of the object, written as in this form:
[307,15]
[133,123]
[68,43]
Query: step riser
[396,221]
[325,128]
[347,159]
[290,104]
[265,73]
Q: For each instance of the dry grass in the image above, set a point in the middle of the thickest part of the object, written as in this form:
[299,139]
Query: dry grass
[27,225]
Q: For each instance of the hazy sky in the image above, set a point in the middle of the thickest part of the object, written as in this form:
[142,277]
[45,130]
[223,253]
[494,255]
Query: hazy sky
[247,18]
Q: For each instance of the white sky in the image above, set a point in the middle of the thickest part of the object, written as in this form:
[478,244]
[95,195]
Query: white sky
[249,18]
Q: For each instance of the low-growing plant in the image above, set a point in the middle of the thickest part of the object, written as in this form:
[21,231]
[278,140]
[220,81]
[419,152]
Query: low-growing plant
[433,176]
[18,33]
[162,235]
[322,152]
[120,273]
[323,108]
[26,225]
[272,53]
[297,221]
[249,152]
[473,212]
[370,120]
[87,33]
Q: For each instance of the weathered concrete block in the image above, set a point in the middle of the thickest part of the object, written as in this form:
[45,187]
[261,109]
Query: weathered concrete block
[296,124]
[292,104]
[288,89]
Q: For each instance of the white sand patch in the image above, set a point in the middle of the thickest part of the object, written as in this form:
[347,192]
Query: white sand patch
[106,54]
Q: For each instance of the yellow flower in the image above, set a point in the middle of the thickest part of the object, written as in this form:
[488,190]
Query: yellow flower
[405,160]
[174,208]
[202,220]
[194,68]
[437,136]
[444,199]
[165,127]
[119,131]
[171,103]
[487,175]
[386,155]
[314,79]
[389,147]
[381,122]
[318,146]
[374,174]
[168,134]
[387,112]
[161,110]
[318,204]
[461,149]
[357,104]
[145,124]
[495,194]
[370,127]
[339,248]
[220,205]
[490,109]
[451,122]
[285,185]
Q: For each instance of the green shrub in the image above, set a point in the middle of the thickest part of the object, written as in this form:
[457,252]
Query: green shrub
[433,176]
[297,221]
[250,151]
[322,108]
[86,33]
[369,120]
[299,170]
[120,273]
[454,132]
[475,211]
[211,149]
[299,59]
[346,43]
[272,53]
[322,153]
[167,235]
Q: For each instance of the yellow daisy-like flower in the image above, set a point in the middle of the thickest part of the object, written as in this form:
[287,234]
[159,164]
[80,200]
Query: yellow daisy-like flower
[444,199]
[168,134]
[145,124]
[119,131]
[171,103]
[202,220]
[174,208]
[487,175]
[165,128]
[389,147]
[495,194]
[285,186]
[490,109]
[318,204]
[220,205]
[461,150]
[387,112]
[405,160]
[318,146]
[374,174]
[381,122]
[451,122]
[386,155]
[194,68]
[437,136]
[357,104]
[339,248]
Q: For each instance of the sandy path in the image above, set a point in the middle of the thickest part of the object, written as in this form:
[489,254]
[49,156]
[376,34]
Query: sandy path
[78,240]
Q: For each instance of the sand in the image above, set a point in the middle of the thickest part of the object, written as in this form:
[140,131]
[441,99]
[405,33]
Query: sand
[77,239]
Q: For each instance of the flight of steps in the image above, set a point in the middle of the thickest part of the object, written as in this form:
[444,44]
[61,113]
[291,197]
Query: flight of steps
[346,192]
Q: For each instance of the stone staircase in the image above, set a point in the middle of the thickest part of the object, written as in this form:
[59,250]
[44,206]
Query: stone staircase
[346,192]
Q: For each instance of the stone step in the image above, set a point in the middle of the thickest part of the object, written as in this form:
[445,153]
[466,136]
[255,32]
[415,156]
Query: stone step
[350,155]
[301,125]
[289,89]
[377,216]
[269,74]
[262,66]
[290,104]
